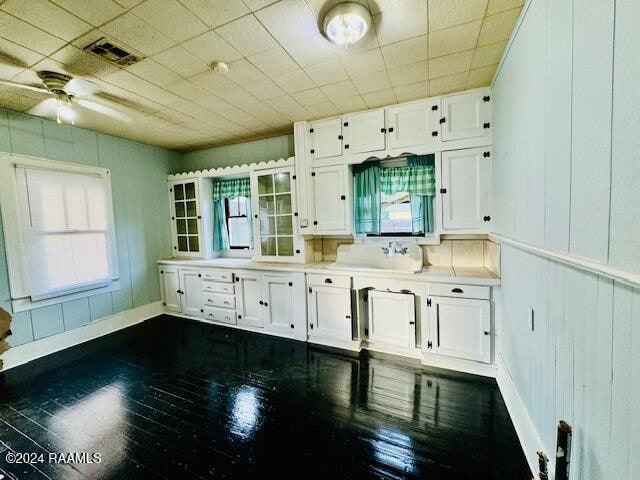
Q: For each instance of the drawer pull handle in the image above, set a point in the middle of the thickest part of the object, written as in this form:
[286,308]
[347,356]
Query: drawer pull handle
[328,280]
[457,290]
[226,303]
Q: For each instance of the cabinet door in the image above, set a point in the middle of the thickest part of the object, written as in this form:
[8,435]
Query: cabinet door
[466,115]
[392,318]
[329,312]
[248,299]
[466,183]
[277,295]
[330,195]
[170,288]
[191,288]
[364,132]
[326,138]
[413,124]
[460,327]
[185,218]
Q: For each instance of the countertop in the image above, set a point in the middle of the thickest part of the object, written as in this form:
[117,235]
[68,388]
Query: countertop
[464,275]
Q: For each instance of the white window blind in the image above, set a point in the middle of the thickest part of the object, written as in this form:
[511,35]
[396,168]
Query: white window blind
[65,224]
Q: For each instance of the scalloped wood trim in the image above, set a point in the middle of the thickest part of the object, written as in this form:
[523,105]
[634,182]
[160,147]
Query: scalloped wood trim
[233,170]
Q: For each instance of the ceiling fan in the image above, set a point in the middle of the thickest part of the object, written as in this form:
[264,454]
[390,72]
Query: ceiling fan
[67,93]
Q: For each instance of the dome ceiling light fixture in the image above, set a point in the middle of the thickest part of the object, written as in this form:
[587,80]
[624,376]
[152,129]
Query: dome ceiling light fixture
[346,23]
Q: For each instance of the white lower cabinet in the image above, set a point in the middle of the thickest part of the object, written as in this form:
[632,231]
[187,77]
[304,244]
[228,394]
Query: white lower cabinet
[249,297]
[459,327]
[392,319]
[329,309]
[277,294]
[170,288]
[181,290]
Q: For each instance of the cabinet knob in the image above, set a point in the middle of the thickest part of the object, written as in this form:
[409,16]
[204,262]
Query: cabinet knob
[442,120]
[434,108]
[390,129]
[346,147]
[340,137]
[343,197]
[456,290]
[311,325]
[328,280]
[383,130]
[292,326]
[487,333]
[486,218]
[434,133]
[266,304]
[261,302]
[486,125]
[443,190]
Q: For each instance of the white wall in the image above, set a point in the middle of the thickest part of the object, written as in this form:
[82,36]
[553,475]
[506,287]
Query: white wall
[567,178]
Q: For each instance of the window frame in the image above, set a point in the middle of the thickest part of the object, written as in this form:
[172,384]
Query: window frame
[19,284]
[228,216]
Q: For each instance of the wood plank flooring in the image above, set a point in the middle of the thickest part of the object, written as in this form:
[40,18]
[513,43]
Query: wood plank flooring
[176,399]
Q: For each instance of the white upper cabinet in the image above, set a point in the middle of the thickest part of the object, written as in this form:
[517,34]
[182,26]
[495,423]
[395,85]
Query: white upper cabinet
[277,295]
[249,294]
[465,189]
[466,115]
[364,132]
[189,216]
[331,199]
[413,124]
[170,288]
[326,138]
[461,328]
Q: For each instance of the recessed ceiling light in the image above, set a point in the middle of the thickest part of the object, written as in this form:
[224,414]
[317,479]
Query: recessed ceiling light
[346,23]
[220,67]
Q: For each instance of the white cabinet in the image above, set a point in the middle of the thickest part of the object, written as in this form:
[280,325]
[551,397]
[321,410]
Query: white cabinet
[249,294]
[364,132]
[392,319]
[329,307]
[466,115]
[332,200]
[277,294]
[191,291]
[460,328]
[465,189]
[190,217]
[170,288]
[413,124]
[326,138]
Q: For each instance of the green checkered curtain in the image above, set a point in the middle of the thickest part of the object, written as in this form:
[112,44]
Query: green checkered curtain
[422,204]
[231,188]
[366,197]
[413,179]
[228,188]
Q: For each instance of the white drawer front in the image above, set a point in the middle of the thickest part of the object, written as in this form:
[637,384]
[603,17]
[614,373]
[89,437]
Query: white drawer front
[464,291]
[220,315]
[219,300]
[224,276]
[215,287]
[329,280]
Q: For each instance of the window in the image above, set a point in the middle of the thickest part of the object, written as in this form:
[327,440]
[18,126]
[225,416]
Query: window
[395,213]
[238,224]
[61,238]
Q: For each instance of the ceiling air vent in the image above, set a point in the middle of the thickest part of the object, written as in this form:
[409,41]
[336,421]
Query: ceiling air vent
[113,53]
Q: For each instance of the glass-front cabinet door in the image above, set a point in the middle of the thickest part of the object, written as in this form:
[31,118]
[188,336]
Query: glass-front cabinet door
[274,207]
[185,218]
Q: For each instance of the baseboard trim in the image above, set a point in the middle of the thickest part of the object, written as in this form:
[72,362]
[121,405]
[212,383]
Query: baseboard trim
[28,352]
[457,365]
[527,434]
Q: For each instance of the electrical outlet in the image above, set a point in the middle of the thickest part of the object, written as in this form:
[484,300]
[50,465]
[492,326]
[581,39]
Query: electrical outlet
[530,319]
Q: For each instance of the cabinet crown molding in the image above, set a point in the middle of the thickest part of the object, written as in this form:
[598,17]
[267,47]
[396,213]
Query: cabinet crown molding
[232,170]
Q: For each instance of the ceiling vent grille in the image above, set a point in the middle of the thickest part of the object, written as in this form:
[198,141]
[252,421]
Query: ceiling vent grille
[112,53]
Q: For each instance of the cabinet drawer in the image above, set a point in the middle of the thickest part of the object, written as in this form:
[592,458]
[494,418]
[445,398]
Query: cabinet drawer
[328,280]
[216,287]
[464,291]
[223,276]
[220,315]
[219,300]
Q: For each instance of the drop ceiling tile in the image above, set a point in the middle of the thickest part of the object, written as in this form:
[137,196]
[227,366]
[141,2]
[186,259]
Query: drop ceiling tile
[488,54]
[288,107]
[288,20]
[80,62]
[27,35]
[137,34]
[96,12]
[448,84]
[372,82]
[247,35]
[154,72]
[243,73]
[293,81]
[320,7]
[498,27]
[181,61]
[447,13]
[128,3]
[407,51]
[210,47]
[379,98]
[47,16]
[216,12]
[339,90]
[18,99]
[237,116]
[310,50]
[363,62]
[481,77]
[14,58]
[258,4]
[214,103]
[170,18]
[497,6]
[213,81]
[407,74]
[238,97]
[330,71]
[350,104]
[454,39]
[450,64]
[324,109]
[412,91]
[409,18]
[310,97]
[265,89]
[274,62]
[188,90]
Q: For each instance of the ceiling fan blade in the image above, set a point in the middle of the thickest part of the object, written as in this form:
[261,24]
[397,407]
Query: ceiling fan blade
[79,87]
[26,87]
[46,108]
[9,59]
[103,109]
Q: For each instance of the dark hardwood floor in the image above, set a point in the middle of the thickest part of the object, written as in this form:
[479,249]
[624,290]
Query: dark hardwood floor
[176,399]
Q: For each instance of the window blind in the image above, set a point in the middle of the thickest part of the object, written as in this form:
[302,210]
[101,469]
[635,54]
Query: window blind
[65,229]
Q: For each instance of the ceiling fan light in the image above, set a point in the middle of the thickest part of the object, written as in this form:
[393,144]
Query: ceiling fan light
[65,112]
[346,23]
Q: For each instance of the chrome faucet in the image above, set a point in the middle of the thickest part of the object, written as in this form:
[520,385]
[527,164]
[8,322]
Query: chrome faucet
[394,248]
